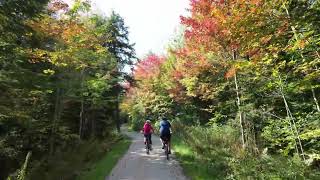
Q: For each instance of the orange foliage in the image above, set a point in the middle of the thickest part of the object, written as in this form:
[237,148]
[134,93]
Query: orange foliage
[230,73]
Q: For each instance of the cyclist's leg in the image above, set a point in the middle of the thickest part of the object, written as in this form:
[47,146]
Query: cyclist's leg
[162,140]
[150,138]
[169,143]
[145,138]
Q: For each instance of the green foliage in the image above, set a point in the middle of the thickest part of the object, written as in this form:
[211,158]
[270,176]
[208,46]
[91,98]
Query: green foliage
[137,123]
[58,78]
[280,138]
[103,167]
[193,168]
[21,173]
[81,160]
[249,70]
[117,35]
[271,167]
[216,150]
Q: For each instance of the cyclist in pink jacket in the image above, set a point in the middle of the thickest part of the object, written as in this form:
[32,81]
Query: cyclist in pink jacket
[147,131]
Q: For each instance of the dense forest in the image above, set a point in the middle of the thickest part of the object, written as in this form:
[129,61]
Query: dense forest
[61,70]
[241,88]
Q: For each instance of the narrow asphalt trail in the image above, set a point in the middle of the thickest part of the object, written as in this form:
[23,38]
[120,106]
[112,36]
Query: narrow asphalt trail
[137,165]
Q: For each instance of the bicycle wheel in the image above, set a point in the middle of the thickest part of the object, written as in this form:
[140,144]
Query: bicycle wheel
[167,151]
[147,146]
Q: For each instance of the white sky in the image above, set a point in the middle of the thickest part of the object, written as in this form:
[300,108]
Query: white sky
[152,23]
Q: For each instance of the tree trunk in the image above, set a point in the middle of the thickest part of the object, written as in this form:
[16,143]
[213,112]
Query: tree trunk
[292,122]
[23,171]
[117,114]
[315,99]
[255,146]
[81,119]
[239,106]
[93,127]
[56,118]
[82,107]
[317,53]
[239,111]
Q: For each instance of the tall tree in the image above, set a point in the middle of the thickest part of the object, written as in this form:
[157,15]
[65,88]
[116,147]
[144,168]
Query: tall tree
[116,39]
[57,80]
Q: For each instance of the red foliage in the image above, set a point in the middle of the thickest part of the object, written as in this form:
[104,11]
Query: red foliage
[178,92]
[220,26]
[177,75]
[148,67]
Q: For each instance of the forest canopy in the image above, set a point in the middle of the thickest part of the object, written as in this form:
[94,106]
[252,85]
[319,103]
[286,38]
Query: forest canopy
[243,83]
[60,70]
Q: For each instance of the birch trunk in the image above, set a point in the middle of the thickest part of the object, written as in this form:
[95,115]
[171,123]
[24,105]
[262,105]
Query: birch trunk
[239,106]
[23,171]
[317,53]
[292,123]
[315,99]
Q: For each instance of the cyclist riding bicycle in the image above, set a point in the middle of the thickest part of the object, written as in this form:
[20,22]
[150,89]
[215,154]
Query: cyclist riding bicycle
[147,131]
[165,132]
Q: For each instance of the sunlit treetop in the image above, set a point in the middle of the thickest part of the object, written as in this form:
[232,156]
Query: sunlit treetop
[148,67]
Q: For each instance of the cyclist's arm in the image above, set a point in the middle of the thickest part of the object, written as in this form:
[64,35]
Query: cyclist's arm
[142,130]
[170,128]
[160,125]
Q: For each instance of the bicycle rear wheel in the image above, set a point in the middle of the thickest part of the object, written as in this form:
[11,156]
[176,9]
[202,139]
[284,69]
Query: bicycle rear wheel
[167,151]
[148,145]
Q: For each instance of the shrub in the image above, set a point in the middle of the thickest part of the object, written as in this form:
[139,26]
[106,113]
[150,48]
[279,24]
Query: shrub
[270,167]
[136,123]
[219,151]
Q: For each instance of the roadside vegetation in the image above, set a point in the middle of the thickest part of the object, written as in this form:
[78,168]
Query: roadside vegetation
[102,168]
[61,68]
[89,160]
[241,86]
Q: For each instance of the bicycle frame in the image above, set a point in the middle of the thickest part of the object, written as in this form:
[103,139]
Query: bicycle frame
[147,145]
[166,148]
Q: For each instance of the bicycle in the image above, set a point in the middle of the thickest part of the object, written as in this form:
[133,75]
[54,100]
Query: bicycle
[147,142]
[148,146]
[166,148]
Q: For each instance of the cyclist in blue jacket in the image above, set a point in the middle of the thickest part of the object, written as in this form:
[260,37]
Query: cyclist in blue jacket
[165,132]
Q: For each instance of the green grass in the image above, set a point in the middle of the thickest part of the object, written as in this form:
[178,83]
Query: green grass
[90,160]
[192,167]
[103,167]
[130,129]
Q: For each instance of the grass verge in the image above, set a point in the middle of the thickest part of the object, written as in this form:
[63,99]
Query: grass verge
[192,167]
[90,160]
[103,167]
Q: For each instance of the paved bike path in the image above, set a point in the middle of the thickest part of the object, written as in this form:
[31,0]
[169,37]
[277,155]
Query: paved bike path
[137,165]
